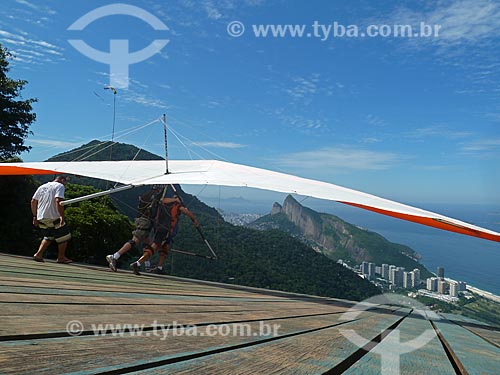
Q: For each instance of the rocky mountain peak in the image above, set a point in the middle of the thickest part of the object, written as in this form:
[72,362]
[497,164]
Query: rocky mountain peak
[277,209]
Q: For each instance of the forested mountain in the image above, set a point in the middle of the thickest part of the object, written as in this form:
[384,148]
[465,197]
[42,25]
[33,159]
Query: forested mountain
[337,239]
[105,150]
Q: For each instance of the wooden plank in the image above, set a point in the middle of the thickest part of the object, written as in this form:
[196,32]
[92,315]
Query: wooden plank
[35,324]
[463,319]
[128,280]
[92,354]
[74,310]
[428,357]
[475,354]
[251,290]
[310,353]
[28,267]
[69,284]
[487,332]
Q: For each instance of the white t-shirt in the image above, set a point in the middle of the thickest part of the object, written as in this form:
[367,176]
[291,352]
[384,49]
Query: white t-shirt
[46,196]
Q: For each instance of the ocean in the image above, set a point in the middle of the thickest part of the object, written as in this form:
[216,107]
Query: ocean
[473,260]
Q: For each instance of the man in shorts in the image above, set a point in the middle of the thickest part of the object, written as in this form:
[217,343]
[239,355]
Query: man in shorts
[165,226]
[146,211]
[48,215]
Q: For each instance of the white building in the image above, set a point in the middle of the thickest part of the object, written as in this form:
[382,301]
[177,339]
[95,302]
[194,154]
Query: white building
[432,284]
[385,271]
[453,290]
[415,278]
[442,287]
[407,276]
[462,286]
[371,270]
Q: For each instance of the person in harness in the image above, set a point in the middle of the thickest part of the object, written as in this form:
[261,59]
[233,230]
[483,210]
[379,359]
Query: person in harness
[165,227]
[146,212]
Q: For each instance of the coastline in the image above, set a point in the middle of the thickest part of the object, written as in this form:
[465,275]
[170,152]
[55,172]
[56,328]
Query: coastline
[485,294]
[482,293]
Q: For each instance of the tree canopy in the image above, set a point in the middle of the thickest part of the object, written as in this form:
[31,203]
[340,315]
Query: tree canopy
[16,114]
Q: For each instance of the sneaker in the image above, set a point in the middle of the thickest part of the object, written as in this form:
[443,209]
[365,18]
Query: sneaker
[157,271]
[112,262]
[135,268]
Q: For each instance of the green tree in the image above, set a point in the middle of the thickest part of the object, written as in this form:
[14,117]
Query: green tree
[16,230]
[15,115]
[17,233]
[96,225]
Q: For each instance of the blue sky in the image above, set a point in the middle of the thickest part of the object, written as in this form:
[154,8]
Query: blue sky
[410,119]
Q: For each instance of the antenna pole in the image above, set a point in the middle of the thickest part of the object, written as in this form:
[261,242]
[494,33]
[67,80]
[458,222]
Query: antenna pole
[166,143]
[113,90]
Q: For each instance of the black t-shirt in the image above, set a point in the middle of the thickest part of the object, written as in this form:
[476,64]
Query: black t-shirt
[165,213]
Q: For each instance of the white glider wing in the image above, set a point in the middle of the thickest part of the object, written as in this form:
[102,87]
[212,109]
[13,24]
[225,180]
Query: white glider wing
[213,172]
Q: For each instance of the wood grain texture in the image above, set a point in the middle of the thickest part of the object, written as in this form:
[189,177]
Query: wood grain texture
[37,300]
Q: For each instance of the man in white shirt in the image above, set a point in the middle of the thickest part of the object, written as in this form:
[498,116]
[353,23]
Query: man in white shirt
[48,215]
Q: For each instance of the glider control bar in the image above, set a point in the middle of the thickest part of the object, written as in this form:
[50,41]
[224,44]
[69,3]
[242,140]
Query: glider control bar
[193,254]
[214,256]
[95,195]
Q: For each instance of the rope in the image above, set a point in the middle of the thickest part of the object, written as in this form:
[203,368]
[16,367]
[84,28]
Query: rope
[182,143]
[121,136]
[137,153]
[203,148]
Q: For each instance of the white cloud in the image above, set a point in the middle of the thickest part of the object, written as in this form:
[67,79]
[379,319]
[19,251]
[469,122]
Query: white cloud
[484,145]
[303,88]
[342,157]
[143,99]
[230,145]
[375,120]
[211,10]
[53,143]
[298,121]
[26,49]
[371,140]
[438,131]
[468,21]
[37,7]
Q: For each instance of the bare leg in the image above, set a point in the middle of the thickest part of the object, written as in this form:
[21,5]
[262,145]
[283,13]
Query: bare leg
[61,256]
[41,249]
[127,246]
[147,254]
[163,254]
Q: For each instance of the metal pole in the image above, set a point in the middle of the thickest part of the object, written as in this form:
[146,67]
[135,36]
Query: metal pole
[114,119]
[99,194]
[166,143]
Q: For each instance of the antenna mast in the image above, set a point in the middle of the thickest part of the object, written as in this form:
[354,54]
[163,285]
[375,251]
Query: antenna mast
[113,90]
[166,143]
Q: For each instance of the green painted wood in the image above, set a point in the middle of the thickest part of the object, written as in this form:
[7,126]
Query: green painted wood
[423,352]
[476,355]
[94,354]
[311,353]
[487,332]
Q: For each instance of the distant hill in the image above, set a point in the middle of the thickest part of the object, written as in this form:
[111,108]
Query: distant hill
[101,150]
[104,150]
[337,239]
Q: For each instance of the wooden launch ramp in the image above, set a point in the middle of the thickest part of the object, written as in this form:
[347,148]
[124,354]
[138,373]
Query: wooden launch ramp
[62,319]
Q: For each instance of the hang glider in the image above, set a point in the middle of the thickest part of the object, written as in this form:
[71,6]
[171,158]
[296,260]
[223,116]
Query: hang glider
[219,173]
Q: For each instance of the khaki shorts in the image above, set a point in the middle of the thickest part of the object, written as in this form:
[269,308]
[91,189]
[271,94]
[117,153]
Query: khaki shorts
[142,228]
[51,230]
